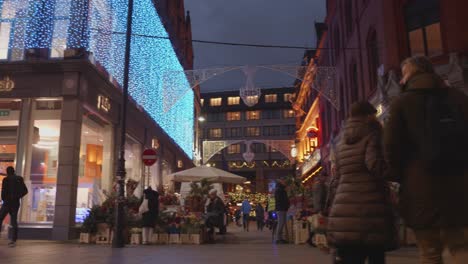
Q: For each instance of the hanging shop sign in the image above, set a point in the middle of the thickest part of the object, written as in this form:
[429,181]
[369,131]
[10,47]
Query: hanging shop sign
[103,103]
[7,84]
[311,162]
[149,157]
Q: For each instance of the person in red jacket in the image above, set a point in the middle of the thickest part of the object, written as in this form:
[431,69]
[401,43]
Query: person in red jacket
[13,189]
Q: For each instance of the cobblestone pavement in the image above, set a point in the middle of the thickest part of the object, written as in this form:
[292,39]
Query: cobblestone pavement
[237,247]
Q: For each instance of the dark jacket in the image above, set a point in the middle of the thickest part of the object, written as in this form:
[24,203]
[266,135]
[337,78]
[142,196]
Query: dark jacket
[13,189]
[259,212]
[149,218]
[360,214]
[215,211]
[281,198]
[427,199]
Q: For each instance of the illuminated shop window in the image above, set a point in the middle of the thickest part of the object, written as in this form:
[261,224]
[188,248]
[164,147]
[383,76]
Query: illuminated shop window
[234,100]
[233,116]
[252,115]
[271,98]
[215,101]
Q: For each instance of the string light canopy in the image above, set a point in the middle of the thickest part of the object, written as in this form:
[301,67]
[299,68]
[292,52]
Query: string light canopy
[58,25]
[319,78]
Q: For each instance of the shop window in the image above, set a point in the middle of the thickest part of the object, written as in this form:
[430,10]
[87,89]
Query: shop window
[215,101]
[253,131]
[233,132]
[252,115]
[44,164]
[216,133]
[233,116]
[95,174]
[288,113]
[5,28]
[271,98]
[271,114]
[423,26]
[271,131]
[133,163]
[234,149]
[288,97]
[9,120]
[233,100]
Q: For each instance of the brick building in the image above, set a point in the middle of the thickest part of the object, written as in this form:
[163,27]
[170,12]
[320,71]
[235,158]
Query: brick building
[367,40]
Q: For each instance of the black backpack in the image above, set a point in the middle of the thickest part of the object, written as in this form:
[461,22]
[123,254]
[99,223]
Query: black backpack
[442,144]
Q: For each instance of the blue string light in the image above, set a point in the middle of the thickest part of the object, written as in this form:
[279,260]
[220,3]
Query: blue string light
[92,24]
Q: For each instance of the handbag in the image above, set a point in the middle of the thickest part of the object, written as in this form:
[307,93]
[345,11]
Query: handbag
[143,207]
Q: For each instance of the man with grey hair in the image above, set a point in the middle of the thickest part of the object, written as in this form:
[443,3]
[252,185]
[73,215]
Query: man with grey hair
[426,142]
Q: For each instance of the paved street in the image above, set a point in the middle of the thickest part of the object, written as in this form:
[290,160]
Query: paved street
[237,247]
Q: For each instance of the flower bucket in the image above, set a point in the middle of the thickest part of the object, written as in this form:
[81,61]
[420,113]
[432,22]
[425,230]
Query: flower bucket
[87,238]
[195,239]
[174,239]
[135,239]
[104,234]
[154,239]
[163,239]
[185,239]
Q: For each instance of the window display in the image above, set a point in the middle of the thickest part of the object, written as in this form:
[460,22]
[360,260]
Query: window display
[133,163]
[44,161]
[95,169]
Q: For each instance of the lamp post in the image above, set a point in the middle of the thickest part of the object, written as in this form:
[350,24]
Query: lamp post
[118,240]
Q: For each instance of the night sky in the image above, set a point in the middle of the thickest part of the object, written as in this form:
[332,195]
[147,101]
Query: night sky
[271,22]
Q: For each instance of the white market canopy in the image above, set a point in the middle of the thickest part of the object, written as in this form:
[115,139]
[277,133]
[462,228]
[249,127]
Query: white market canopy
[204,172]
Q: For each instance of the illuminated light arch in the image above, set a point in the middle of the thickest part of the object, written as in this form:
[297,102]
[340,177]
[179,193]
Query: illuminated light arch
[211,147]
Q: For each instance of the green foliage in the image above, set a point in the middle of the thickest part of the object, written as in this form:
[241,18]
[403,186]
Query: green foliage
[200,189]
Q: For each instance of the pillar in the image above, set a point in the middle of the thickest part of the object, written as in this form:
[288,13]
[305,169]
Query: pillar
[260,179]
[68,167]
[24,152]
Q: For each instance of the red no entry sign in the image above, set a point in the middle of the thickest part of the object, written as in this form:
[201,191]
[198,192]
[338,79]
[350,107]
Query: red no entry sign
[149,157]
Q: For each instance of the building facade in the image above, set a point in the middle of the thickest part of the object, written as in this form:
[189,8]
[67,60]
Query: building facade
[61,74]
[254,142]
[367,40]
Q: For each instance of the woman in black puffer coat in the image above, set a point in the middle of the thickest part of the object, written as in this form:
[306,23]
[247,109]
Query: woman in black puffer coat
[360,219]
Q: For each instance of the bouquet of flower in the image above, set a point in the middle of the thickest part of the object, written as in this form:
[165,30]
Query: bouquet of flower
[169,199]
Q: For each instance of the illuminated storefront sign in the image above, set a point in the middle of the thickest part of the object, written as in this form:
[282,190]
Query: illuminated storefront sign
[103,103]
[312,161]
[7,85]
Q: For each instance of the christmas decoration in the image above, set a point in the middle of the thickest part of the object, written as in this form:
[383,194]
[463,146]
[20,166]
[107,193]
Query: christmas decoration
[98,27]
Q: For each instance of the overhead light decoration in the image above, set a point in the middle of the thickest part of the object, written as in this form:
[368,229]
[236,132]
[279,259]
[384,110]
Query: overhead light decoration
[293,151]
[249,93]
[99,27]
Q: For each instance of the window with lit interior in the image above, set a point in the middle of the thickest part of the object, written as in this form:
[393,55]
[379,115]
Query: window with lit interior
[233,116]
[423,26]
[215,101]
[216,133]
[271,98]
[253,131]
[233,100]
[252,115]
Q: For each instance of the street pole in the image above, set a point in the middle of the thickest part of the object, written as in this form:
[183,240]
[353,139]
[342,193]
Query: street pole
[118,240]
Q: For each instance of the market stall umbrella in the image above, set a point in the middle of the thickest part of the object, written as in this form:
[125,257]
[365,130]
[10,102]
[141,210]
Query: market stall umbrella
[204,172]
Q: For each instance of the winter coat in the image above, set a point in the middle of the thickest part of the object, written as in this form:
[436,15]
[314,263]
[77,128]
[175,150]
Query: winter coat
[259,212]
[246,207]
[281,199]
[427,199]
[13,189]
[215,211]
[360,213]
[149,218]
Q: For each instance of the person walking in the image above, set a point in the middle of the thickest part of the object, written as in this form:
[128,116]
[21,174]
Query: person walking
[360,213]
[245,209]
[214,214]
[282,207]
[260,216]
[426,148]
[13,189]
[150,211]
